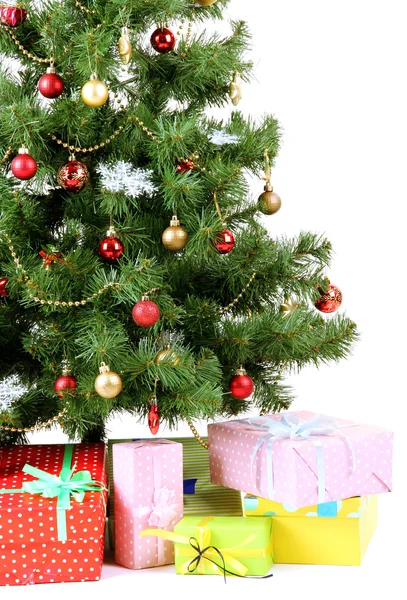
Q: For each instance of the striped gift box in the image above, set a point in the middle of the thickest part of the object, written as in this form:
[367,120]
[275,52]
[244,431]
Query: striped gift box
[208,500]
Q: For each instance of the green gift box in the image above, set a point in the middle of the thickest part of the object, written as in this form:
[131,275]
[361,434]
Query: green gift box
[218,545]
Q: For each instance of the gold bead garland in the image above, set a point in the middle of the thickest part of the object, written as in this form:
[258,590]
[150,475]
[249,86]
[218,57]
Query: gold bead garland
[31,56]
[111,285]
[84,9]
[196,434]
[131,119]
[107,141]
[114,285]
[35,427]
[236,300]
[140,123]
[188,36]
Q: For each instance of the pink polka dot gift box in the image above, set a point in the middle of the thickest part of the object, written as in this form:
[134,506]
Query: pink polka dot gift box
[52,513]
[148,492]
[301,458]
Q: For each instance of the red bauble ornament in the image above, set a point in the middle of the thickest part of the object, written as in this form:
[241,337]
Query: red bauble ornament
[51,85]
[163,40]
[241,386]
[330,301]
[3,283]
[111,248]
[12,15]
[73,176]
[65,382]
[24,166]
[146,312]
[154,418]
[225,241]
[185,165]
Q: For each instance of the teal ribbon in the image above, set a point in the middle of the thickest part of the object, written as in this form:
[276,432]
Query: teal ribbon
[290,427]
[62,486]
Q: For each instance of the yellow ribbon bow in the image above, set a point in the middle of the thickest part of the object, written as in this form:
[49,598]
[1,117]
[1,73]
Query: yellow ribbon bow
[204,558]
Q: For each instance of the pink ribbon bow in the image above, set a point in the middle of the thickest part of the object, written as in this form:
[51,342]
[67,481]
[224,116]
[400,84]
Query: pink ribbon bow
[164,508]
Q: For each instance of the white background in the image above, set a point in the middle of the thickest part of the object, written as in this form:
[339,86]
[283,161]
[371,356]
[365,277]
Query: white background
[334,75]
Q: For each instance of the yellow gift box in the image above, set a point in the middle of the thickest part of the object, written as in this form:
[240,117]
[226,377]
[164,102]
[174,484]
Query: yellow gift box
[332,533]
[220,545]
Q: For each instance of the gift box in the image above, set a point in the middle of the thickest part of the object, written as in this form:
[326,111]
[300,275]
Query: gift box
[221,545]
[52,513]
[201,497]
[148,491]
[332,533]
[301,459]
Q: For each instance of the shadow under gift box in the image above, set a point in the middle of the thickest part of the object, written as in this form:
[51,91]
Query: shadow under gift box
[203,543]
[332,533]
[30,548]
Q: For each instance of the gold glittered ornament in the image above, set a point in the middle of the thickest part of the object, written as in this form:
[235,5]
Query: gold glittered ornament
[168,354]
[269,201]
[125,48]
[235,89]
[174,237]
[108,384]
[94,92]
[288,307]
[205,2]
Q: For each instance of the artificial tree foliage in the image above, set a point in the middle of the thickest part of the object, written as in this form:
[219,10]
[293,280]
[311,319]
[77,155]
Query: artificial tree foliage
[159,102]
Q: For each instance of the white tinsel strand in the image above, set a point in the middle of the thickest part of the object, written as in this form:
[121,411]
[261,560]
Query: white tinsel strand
[10,389]
[220,138]
[123,177]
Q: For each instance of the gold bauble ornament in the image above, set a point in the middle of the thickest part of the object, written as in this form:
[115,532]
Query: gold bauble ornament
[174,237]
[235,89]
[94,92]
[288,307]
[125,48]
[269,201]
[168,353]
[108,384]
[205,2]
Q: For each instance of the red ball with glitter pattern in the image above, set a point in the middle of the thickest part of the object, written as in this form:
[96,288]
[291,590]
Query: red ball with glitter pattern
[330,301]
[73,176]
[12,15]
[111,249]
[162,40]
[145,313]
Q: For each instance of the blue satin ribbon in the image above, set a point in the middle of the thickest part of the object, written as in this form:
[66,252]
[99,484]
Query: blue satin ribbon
[290,427]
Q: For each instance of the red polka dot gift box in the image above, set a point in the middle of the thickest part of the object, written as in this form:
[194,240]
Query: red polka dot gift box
[52,513]
[301,458]
[148,492]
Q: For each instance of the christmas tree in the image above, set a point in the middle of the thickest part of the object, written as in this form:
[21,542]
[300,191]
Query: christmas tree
[137,272]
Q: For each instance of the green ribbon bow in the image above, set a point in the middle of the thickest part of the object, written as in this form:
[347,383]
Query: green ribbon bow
[62,486]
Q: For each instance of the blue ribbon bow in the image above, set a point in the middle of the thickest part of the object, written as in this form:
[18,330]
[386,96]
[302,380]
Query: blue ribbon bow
[290,427]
